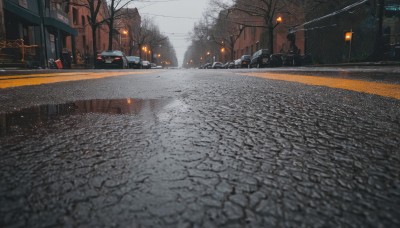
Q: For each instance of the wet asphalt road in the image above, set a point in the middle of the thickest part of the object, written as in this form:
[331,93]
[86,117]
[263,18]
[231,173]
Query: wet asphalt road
[198,148]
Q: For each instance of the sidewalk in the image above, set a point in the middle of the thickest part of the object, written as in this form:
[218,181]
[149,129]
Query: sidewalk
[360,64]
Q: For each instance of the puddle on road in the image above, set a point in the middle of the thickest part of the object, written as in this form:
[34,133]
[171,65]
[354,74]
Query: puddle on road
[34,117]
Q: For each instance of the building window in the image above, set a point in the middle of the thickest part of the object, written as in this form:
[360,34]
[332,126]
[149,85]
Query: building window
[75,16]
[83,21]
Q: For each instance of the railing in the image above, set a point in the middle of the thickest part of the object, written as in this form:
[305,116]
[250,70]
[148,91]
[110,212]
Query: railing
[17,46]
[58,14]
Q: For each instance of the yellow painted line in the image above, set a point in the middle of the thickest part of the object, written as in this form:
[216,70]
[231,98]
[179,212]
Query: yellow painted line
[377,88]
[37,79]
[40,75]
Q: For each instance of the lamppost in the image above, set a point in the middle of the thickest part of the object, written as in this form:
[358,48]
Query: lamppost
[348,36]
[271,33]
[125,33]
[223,54]
[144,48]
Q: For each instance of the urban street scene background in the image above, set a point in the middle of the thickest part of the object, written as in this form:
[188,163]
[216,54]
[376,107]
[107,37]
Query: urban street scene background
[199,113]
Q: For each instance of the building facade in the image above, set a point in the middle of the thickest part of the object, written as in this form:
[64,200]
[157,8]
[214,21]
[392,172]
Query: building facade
[83,48]
[22,33]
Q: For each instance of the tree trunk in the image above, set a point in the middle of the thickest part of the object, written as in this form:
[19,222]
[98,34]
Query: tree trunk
[2,28]
[232,51]
[111,26]
[110,34]
[271,38]
[94,44]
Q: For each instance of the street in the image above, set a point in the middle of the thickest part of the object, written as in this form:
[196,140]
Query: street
[201,148]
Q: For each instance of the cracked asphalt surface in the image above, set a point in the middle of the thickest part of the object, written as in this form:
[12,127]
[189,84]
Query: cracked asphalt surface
[204,149]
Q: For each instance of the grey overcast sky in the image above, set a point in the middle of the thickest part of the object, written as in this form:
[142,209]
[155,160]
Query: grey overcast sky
[175,19]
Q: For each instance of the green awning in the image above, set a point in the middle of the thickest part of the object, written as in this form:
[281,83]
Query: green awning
[60,25]
[22,12]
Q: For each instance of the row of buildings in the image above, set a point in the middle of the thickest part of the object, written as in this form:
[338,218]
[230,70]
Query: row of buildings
[317,32]
[34,31]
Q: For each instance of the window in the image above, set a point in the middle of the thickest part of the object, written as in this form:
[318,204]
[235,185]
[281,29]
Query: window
[83,21]
[75,16]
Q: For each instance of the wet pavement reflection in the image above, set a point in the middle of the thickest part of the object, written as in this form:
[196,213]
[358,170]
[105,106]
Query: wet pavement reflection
[37,116]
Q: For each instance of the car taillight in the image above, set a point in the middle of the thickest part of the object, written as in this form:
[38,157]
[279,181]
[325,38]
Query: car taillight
[99,57]
[117,58]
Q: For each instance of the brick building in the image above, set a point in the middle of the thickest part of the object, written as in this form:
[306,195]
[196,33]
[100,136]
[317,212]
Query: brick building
[255,38]
[78,16]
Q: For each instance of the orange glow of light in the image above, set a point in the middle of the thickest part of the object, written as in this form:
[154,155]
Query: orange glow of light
[279,20]
[348,36]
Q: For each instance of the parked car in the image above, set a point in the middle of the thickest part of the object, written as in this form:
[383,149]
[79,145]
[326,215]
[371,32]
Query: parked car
[243,62]
[146,64]
[206,66]
[276,60]
[261,58]
[217,65]
[111,59]
[229,65]
[134,62]
[238,63]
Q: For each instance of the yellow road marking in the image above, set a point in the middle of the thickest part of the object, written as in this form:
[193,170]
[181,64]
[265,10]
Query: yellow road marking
[377,88]
[37,79]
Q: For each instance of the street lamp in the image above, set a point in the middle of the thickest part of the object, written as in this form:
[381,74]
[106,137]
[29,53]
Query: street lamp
[278,21]
[271,33]
[124,32]
[348,37]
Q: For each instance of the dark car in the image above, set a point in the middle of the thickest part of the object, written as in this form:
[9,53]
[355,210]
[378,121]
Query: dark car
[243,62]
[206,66]
[146,64]
[229,65]
[111,59]
[134,62]
[261,58]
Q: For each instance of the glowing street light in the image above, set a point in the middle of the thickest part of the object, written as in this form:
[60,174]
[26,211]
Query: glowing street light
[348,36]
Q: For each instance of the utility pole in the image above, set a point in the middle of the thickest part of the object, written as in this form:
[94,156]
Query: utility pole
[2,28]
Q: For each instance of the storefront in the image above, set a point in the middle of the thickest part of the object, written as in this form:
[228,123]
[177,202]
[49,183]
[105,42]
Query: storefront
[22,43]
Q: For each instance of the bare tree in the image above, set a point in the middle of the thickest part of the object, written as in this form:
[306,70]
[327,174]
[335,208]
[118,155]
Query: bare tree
[266,11]
[115,12]
[94,7]
[226,31]
[142,33]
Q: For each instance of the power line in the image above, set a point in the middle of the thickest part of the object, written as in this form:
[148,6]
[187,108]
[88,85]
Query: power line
[345,9]
[158,15]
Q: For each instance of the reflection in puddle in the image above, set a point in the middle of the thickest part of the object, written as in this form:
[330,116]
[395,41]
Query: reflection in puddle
[34,117]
